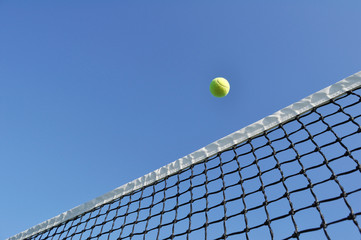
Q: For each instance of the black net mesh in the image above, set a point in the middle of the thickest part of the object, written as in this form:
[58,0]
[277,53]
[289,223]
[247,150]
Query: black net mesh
[300,180]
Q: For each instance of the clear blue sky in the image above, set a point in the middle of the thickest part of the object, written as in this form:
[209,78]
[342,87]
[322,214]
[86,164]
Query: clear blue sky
[94,94]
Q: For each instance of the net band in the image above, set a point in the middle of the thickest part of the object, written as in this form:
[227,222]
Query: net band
[291,112]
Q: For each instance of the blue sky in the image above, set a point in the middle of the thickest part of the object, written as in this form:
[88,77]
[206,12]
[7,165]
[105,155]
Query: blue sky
[94,94]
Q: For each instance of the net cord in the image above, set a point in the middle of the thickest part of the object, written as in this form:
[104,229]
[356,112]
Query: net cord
[284,115]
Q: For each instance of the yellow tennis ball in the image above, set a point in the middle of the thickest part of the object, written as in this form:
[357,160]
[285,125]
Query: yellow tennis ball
[219,87]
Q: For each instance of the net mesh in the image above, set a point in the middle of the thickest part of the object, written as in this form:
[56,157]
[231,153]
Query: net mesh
[299,180]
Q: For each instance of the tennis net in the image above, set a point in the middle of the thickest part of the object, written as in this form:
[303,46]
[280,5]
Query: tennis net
[292,175]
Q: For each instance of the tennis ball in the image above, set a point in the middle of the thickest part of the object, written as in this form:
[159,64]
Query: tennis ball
[219,87]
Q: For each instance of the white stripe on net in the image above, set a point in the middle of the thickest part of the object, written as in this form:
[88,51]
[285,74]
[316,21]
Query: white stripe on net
[267,123]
